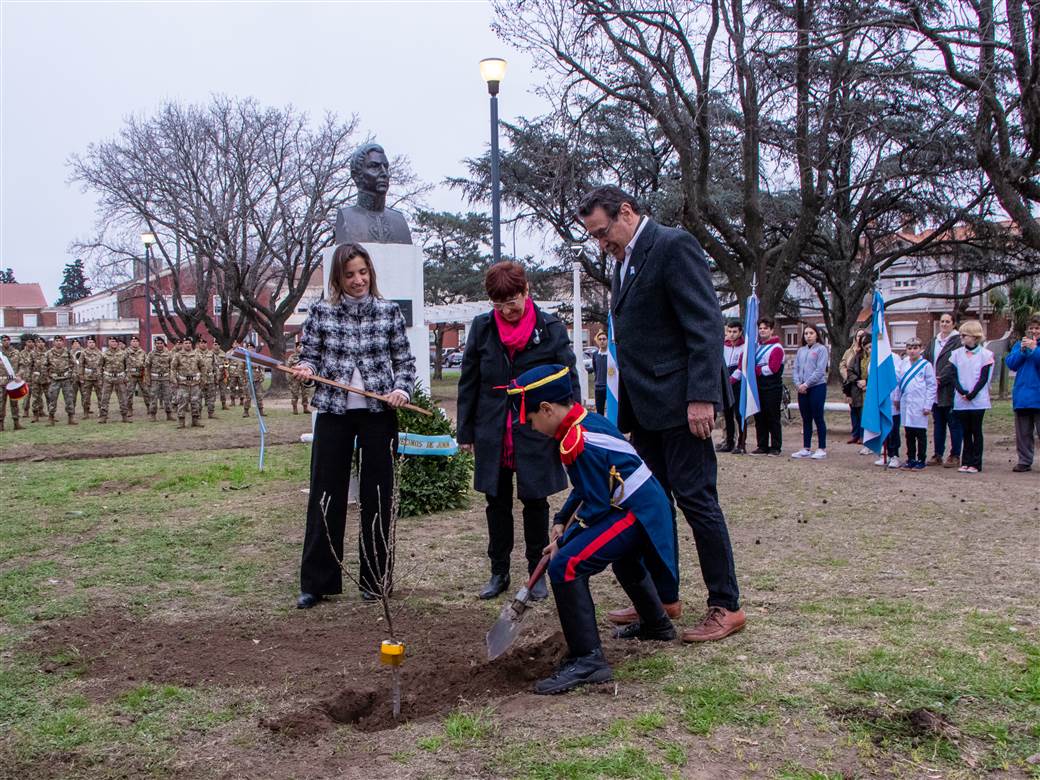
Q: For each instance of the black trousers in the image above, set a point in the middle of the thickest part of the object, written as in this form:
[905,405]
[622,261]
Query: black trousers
[767,421]
[499,513]
[971,444]
[734,424]
[601,399]
[687,470]
[331,456]
[916,443]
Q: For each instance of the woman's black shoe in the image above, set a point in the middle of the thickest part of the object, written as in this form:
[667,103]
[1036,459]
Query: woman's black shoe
[308,600]
[495,586]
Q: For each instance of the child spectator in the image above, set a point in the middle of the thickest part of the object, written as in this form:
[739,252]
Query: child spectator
[810,379]
[1024,360]
[732,353]
[917,386]
[769,368]
[970,367]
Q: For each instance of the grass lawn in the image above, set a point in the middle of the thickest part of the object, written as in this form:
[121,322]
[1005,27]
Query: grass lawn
[147,626]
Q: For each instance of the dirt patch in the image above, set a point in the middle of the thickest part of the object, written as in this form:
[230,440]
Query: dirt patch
[324,667]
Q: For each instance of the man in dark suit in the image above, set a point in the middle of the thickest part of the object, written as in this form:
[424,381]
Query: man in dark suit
[668,326]
[938,354]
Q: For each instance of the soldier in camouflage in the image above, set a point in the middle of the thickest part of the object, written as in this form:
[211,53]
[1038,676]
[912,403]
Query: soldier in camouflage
[258,388]
[136,375]
[210,357]
[77,355]
[9,373]
[187,373]
[113,377]
[161,379]
[61,370]
[236,372]
[90,375]
[297,389]
[37,378]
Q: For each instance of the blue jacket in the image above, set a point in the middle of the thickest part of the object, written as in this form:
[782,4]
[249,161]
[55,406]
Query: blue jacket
[1026,365]
[609,480]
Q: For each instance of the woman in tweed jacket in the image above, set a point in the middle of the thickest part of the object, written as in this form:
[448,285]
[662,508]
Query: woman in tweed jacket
[358,338]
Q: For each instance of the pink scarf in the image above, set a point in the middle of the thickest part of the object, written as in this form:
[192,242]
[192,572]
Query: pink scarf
[514,337]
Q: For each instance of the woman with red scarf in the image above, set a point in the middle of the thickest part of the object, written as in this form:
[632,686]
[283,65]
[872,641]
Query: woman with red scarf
[511,338]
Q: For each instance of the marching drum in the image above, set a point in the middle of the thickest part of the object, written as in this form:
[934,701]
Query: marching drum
[16,389]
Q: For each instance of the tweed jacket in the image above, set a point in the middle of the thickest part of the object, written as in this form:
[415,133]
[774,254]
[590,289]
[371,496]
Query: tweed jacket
[941,363]
[668,330]
[369,336]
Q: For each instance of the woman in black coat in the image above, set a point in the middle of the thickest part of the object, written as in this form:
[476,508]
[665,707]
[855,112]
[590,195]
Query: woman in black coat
[513,337]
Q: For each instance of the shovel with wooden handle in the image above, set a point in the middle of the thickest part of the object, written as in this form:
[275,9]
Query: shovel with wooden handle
[502,635]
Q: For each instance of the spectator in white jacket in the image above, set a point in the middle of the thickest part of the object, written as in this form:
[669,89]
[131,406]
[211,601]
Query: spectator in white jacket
[917,386]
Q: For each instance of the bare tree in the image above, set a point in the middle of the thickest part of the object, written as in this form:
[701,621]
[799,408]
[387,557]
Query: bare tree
[242,199]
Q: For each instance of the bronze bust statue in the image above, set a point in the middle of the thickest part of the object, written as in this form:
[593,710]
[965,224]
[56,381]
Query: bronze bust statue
[369,220]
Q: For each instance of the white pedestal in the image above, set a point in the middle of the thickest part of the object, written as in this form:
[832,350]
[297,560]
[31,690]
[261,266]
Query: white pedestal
[399,276]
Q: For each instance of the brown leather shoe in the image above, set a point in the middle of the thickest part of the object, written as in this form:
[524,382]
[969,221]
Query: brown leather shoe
[936,460]
[717,624]
[951,462]
[622,617]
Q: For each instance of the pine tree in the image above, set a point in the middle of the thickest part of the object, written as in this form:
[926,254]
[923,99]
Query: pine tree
[7,276]
[73,284]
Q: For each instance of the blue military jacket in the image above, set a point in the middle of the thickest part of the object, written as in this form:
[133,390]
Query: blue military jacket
[609,480]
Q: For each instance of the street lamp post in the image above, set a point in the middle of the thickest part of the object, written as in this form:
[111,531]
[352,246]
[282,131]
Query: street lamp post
[148,239]
[493,70]
[579,341]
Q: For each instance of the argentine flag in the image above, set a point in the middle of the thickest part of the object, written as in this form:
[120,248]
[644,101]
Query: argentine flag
[749,383]
[612,373]
[881,381]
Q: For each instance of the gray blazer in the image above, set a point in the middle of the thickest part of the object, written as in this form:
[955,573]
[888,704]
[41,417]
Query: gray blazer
[668,329]
[941,362]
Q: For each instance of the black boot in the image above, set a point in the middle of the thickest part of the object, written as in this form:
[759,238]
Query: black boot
[585,663]
[726,446]
[653,623]
[495,586]
[539,591]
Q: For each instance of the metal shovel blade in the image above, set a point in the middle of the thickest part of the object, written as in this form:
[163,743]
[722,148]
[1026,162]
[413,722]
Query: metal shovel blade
[502,635]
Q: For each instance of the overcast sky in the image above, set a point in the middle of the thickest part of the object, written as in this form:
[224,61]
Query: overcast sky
[71,73]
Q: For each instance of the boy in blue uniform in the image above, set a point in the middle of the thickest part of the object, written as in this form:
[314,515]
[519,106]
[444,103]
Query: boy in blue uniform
[624,520]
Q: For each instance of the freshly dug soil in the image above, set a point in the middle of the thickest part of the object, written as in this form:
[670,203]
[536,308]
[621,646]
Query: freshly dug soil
[323,664]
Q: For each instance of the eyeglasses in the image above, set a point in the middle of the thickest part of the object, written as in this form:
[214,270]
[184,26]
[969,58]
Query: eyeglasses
[512,302]
[600,234]
[913,346]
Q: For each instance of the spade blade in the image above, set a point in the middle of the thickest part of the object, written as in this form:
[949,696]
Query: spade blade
[502,635]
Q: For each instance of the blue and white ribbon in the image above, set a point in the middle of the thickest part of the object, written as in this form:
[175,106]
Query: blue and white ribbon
[417,444]
[256,406]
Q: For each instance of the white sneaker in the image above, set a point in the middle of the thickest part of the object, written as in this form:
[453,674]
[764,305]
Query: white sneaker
[802,453]
[893,462]
[879,462]
[819,455]
[866,451]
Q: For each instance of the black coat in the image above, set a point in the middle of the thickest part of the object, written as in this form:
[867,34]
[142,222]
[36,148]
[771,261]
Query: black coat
[941,364]
[482,409]
[668,330]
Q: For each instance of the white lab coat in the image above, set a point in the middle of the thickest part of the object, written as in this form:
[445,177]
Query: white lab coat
[918,394]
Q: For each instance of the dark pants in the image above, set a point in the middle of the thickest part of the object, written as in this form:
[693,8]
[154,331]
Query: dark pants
[767,421]
[944,417]
[331,456]
[971,426]
[601,399]
[856,417]
[892,442]
[1027,431]
[734,424]
[687,470]
[499,513]
[810,405]
[916,444]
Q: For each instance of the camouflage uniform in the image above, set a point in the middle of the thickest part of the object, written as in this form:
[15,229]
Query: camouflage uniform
[161,384]
[258,388]
[37,379]
[209,361]
[113,377]
[187,371]
[14,358]
[90,377]
[236,372]
[135,378]
[297,388]
[61,369]
[220,365]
